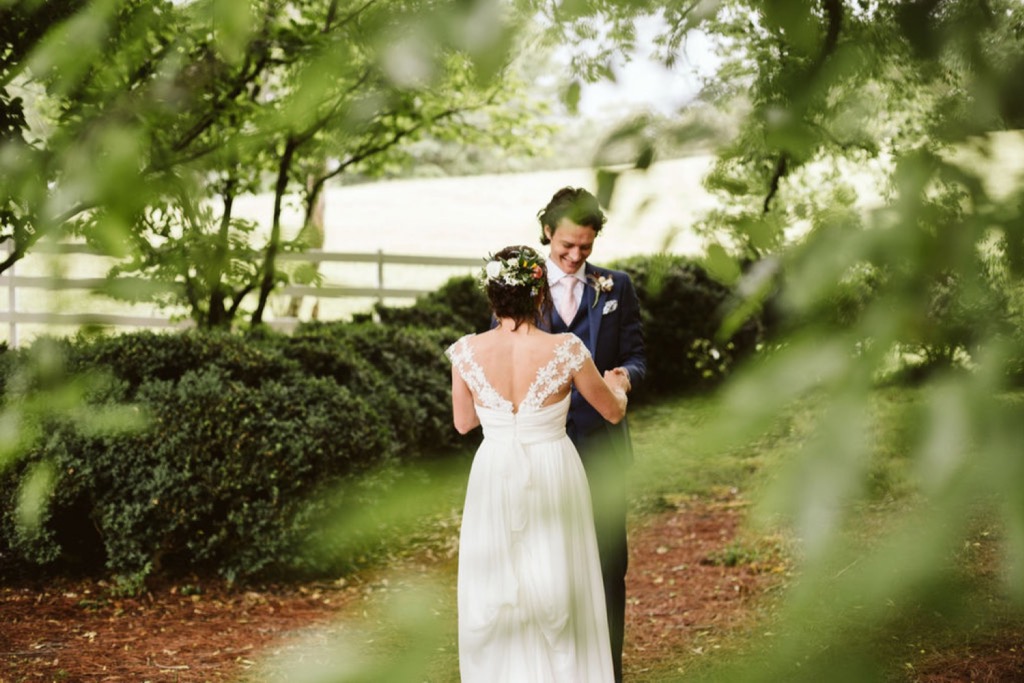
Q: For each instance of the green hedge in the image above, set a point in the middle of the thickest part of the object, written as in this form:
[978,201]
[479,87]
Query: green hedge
[215,483]
[243,439]
[246,438]
[459,303]
[403,369]
[681,306]
[146,356]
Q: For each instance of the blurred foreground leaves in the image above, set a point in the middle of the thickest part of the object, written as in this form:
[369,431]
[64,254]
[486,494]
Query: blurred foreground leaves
[890,253]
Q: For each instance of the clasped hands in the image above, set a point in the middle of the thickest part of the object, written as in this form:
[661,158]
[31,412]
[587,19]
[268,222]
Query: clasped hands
[618,378]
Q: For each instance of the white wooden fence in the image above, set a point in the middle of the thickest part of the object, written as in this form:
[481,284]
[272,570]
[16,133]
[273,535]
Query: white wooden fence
[14,282]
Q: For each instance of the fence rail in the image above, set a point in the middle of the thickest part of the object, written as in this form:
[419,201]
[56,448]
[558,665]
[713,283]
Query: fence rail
[15,282]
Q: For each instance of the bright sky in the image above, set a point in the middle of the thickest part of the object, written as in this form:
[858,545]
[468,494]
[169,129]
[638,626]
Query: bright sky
[643,82]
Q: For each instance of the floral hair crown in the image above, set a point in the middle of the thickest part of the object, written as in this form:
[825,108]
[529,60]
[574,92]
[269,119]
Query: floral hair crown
[524,268]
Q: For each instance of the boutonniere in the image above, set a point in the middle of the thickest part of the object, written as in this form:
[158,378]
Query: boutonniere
[600,283]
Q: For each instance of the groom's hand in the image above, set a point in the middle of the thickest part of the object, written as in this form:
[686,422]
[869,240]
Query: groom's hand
[624,373]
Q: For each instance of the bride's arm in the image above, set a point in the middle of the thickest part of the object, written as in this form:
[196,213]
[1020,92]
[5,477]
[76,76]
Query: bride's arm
[607,394]
[463,409]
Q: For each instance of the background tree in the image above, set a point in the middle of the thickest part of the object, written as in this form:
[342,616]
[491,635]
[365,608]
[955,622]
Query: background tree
[863,165]
[48,54]
[827,89]
[898,89]
[193,105]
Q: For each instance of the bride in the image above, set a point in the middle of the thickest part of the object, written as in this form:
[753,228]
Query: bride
[530,597]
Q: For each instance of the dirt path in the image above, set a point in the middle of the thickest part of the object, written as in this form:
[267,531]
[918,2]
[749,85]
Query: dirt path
[689,586]
[695,582]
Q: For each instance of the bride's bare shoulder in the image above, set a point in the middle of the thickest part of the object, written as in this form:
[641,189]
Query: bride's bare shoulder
[485,337]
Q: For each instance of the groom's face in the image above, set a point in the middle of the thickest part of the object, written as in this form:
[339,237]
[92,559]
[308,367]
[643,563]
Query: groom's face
[571,245]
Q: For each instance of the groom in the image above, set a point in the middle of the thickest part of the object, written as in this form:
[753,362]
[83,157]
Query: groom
[600,307]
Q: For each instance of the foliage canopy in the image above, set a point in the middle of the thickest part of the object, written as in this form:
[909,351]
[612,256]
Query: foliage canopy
[862,163]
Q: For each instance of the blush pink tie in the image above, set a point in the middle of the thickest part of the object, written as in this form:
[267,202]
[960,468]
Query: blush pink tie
[567,309]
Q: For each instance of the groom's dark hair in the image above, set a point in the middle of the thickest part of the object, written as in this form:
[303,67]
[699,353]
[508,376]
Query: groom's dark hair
[574,203]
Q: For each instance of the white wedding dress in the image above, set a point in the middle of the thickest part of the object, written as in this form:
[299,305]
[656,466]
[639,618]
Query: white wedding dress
[530,597]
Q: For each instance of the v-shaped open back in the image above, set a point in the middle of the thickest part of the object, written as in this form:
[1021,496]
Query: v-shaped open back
[567,357]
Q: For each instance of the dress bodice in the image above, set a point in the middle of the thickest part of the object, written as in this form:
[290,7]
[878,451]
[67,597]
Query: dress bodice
[526,427]
[568,357]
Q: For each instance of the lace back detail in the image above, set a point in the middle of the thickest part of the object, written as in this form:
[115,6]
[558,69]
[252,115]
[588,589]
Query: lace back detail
[461,355]
[569,356]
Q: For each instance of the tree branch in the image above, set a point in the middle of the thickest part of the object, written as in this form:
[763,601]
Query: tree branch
[781,168]
[396,137]
[270,258]
[834,14]
[236,299]
[246,75]
[350,17]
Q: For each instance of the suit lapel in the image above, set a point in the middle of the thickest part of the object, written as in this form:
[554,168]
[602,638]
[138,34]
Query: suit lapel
[595,308]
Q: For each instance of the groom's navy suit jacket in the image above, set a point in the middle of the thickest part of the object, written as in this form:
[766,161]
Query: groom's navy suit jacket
[609,325]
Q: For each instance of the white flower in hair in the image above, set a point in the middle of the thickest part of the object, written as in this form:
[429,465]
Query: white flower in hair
[522,268]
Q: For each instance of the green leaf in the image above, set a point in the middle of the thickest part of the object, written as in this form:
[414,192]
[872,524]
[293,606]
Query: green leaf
[646,157]
[606,186]
[763,233]
[232,24]
[720,265]
[36,487]
[796,22]
[571,97]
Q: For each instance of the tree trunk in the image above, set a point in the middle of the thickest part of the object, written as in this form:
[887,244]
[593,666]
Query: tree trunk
[312,235]
[217,315]
[270,259]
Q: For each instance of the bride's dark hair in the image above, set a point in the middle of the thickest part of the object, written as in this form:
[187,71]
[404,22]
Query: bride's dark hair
[520,291]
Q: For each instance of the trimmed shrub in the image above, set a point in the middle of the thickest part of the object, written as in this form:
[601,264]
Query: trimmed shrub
[416,386]
[139,357]
[459,304]
[220,480]
[682,309]
[7,365]
[246,437]
[317,351]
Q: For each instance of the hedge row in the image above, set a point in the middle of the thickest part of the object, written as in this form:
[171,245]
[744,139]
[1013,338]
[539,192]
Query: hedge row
[681,306]
[244,437]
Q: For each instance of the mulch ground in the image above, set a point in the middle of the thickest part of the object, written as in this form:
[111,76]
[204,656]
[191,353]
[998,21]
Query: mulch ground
[691,584]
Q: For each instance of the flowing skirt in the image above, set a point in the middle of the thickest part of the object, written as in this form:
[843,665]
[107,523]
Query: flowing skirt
[530,596]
